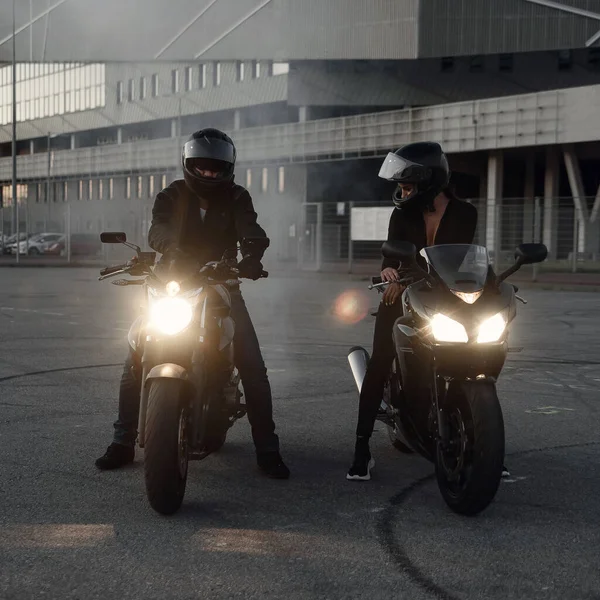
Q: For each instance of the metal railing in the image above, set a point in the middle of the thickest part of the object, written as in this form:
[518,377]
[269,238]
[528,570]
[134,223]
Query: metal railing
[531,119]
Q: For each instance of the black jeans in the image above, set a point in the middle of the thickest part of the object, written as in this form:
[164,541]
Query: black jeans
[378,368]
[253,373]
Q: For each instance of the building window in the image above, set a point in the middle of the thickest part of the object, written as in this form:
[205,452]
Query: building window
[565,60]
[216,73]
[119,92]
[154,85]
[131,90]
[270,68]
[255,69]
[65,191]
[111,189]
[505,63]
[187,75]
[281,68]
[80,192]
[128,188]
[139,186]
[90,189]
[265,179]
[151,186]
[281,180]
[202,76]
[175,81]
[143,90]
[476,64]
[100,189]
[248,178]
[240,70]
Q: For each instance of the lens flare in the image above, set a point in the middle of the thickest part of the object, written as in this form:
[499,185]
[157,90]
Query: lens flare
[351,307]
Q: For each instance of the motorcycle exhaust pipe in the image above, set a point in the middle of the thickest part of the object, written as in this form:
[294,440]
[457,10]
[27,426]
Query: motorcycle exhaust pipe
[358,358]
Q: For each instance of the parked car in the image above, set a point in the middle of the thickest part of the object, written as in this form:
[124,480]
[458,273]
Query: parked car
[82,244]
[10,242]
[36,244]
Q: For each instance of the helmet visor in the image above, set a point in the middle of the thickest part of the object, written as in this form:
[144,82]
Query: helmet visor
[396,168]
[212,148]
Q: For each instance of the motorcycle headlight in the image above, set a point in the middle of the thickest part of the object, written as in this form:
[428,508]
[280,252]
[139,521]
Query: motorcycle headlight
[468,297]
[171,315]
[445,329]
[491,329]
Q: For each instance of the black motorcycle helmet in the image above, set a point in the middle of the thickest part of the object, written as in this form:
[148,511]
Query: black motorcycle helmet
[422,164]
[208,150]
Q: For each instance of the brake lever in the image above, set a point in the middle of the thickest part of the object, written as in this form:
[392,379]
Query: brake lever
[521,299]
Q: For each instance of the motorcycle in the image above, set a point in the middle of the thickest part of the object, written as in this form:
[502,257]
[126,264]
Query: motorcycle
[190,393]
[440,398]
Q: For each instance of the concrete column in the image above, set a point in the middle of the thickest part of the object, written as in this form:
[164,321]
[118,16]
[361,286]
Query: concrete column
[551,180]
[585,242]
[31,147]
[119,135]
[493,204]
[529,198]
[481,208]
[237,119]
[173,128]
[303,114]
[73,142]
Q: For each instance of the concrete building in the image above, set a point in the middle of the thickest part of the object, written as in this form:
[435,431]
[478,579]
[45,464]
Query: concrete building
[511,90]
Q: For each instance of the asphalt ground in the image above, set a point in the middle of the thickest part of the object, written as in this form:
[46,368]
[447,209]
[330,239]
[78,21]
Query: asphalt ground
[70,531]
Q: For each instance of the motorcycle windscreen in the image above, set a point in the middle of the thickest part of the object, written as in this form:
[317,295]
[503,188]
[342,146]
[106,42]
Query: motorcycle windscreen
[462,267]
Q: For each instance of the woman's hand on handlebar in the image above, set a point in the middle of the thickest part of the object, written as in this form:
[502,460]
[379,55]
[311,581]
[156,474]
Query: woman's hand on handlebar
[392,293]
[390,274]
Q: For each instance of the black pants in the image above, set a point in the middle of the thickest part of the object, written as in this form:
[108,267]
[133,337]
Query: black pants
[378,368]
[253,373]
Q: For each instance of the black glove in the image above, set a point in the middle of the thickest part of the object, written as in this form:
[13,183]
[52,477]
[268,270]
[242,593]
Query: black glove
[250,267]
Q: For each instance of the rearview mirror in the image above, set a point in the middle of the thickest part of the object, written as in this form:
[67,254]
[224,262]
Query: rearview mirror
[113,237]
[251,244]
[402,251]
[529,254]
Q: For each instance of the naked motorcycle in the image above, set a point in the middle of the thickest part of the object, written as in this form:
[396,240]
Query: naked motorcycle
[451,343]
[190,393]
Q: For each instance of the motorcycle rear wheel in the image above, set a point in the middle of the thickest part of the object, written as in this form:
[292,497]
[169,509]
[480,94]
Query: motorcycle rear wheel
[166,448]
[469,471]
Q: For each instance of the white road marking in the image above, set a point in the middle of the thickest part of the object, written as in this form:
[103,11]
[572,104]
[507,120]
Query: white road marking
[31,310]
[548,410]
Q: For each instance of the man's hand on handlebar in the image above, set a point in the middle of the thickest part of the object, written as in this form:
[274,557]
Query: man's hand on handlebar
[250,268]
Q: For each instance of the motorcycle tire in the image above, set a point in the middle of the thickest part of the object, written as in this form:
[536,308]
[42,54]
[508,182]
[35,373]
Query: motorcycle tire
[215,441]
[166,448]
[469,473]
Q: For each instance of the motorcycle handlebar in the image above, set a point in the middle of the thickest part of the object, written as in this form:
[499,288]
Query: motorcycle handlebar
[111,270]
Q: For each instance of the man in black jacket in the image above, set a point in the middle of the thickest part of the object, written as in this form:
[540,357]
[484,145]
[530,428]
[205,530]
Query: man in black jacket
[201,217]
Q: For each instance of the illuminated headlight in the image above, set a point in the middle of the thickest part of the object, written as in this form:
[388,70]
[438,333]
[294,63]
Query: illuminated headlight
[467,297]
[491,329]
[173,288]
[171,315]
[445,329]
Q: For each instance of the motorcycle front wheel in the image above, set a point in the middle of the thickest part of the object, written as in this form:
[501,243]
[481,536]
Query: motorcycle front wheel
[166,448]
[469,468]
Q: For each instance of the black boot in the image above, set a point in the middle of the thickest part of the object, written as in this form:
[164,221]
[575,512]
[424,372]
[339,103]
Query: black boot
[363,461]
[272,465]
[117,456]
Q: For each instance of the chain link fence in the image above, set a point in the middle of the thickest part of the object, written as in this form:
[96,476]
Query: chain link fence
[347,236]
[326,236]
